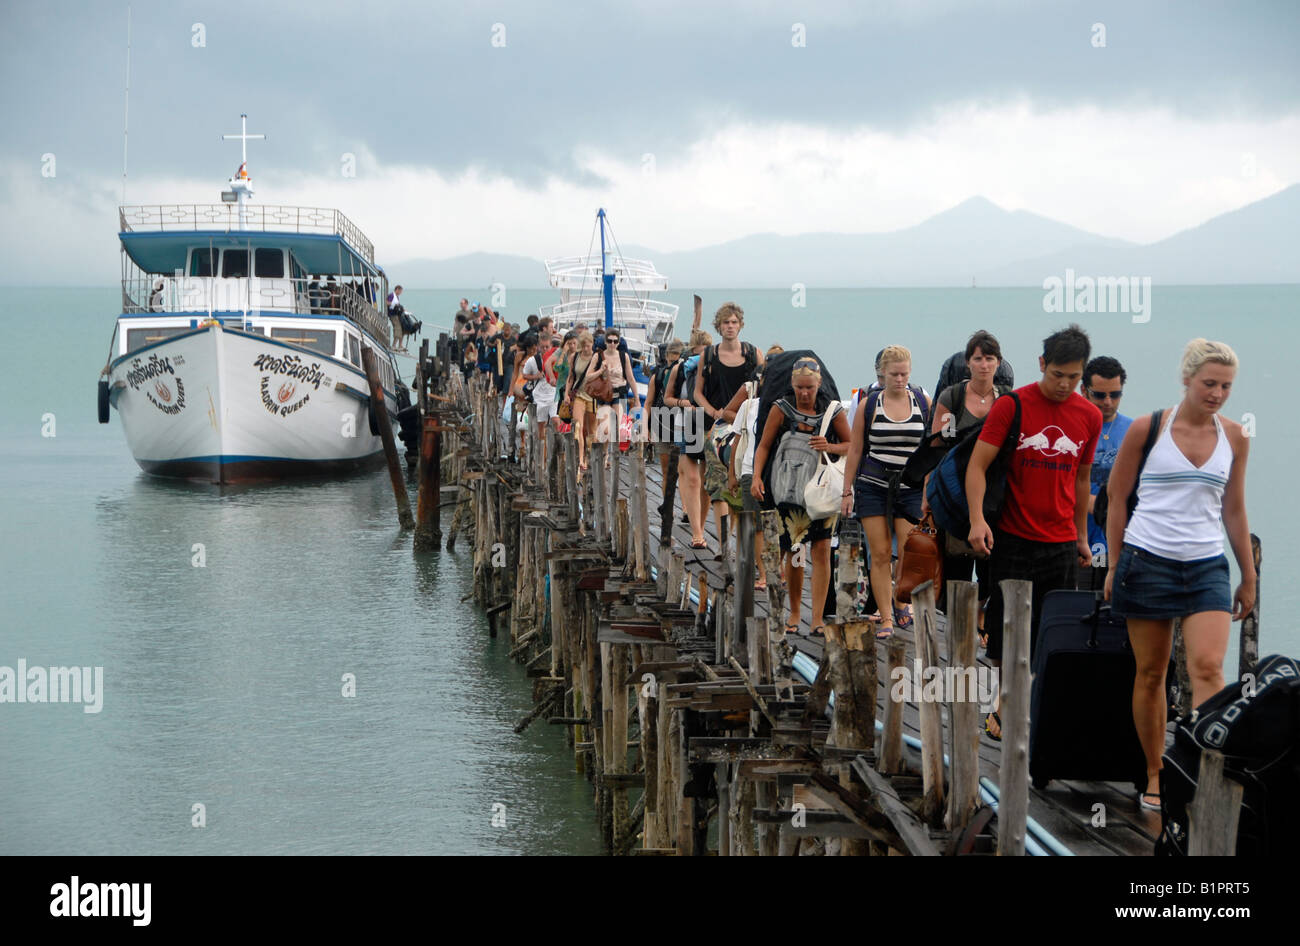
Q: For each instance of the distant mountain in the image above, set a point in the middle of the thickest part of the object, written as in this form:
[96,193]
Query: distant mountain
[1253,244]
[975,239]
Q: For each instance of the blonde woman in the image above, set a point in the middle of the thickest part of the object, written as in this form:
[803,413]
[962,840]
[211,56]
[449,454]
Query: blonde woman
[887,428]
[801,419]
[1171,564]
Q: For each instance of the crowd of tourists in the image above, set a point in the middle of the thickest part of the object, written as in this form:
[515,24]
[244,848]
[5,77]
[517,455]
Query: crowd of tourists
[1048,477]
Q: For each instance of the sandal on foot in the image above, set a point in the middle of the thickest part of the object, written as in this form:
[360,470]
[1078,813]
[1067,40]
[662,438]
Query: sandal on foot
[699,545]
[903,617]
[885,633]
[760,585]
[818,631]
[792,628]
[997,720]
[1148,806]
[984,640]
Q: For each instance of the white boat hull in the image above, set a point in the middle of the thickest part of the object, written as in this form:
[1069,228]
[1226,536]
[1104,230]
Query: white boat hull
[228,406]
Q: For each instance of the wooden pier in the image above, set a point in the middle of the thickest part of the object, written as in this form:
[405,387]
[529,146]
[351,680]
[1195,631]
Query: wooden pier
[701,724]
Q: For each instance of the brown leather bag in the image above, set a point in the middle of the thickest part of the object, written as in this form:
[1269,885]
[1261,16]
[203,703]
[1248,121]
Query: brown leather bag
[601,389]
[920,560]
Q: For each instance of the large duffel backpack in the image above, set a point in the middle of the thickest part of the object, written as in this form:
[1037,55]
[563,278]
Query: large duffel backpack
[777,383]
[1255,723]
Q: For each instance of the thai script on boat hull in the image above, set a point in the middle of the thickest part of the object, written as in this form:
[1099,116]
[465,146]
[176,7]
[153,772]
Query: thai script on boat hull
[142,371]
[291,366]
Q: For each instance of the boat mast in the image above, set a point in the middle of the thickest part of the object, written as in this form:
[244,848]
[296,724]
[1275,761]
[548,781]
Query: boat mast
[240,184]
[606,277]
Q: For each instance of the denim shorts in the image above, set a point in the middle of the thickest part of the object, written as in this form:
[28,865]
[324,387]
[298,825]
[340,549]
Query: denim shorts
[870,499]
[1150,587]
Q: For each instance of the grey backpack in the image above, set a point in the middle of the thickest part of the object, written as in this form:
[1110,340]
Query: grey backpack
[794,462]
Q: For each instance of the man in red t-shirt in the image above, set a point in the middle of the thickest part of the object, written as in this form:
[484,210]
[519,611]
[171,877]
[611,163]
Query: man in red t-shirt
[1041,534]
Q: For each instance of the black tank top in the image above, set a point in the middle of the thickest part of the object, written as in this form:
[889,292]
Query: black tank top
[722,381]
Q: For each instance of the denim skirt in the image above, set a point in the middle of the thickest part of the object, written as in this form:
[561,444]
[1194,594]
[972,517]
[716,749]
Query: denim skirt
[1150,587]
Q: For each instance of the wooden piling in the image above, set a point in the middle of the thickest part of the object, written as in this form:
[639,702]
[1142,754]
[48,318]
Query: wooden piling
[927,652]
[963,705]
[1013,786]
[380,412]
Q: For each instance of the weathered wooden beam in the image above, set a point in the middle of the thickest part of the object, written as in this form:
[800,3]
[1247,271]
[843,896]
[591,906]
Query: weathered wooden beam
[1215,810]
[963,707]
[1013,773]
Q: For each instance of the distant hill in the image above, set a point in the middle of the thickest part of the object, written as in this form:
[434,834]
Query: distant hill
[1253,244]
[974,240]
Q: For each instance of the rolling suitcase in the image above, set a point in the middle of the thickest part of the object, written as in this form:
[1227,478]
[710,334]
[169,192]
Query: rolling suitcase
[1081,702]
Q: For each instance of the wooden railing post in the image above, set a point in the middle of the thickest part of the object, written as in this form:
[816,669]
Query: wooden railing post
[963,704]
[927,651]
[1013,781]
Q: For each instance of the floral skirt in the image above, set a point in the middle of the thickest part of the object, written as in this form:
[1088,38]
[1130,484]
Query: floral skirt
[800,528]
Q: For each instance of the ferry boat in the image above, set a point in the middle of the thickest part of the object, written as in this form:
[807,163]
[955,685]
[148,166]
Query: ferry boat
[613,291]
[238,353]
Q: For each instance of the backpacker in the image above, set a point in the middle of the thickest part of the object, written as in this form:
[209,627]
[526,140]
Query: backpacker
[1255,723]
[946,491]
[661,381]
[793,461]
[776,385]
[1102,503]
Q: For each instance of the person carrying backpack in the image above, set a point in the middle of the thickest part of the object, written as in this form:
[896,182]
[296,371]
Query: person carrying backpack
[1171,562]
[959,407]
[792,443]
[691,433]
[1041,534]
[659,431]
[888,426]
[724,369]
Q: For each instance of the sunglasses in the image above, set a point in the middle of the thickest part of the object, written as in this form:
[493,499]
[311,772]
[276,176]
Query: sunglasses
[1104,395]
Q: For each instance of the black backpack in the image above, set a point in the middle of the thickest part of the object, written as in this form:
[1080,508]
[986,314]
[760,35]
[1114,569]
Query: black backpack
[946,491]
[1257,728]
[661,381]
[1102,503]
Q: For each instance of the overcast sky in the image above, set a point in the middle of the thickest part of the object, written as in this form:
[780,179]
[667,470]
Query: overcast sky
[693,123]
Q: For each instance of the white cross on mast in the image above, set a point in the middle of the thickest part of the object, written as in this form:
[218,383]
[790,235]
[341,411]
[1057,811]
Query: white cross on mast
[240,183]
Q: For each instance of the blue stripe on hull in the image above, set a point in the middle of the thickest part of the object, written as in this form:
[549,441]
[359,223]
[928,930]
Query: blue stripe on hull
[247,469]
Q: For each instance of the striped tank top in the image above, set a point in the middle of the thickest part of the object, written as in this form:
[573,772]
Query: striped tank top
[891,442]
[1179,514]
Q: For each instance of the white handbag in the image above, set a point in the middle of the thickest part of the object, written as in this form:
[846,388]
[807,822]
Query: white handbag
[824,492]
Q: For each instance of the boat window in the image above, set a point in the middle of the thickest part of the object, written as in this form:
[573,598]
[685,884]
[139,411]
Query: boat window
[269,263]
[354,350]
[317,339]
[203,262]
[140,337]
[234,264]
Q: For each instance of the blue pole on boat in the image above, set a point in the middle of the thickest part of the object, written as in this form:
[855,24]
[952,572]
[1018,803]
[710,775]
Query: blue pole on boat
[606,277]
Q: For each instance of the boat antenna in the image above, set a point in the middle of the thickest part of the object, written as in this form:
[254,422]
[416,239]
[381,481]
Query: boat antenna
[126,108]
[239,183]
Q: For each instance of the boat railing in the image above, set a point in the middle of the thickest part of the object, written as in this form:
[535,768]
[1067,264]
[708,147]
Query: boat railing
[648,311]
[163,295]
[579,272]
[261,217]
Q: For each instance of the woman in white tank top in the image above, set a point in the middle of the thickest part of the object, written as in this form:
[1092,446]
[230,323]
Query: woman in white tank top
[1171,564]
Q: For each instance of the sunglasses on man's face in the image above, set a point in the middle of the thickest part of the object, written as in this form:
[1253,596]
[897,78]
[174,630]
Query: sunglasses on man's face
[1103,395]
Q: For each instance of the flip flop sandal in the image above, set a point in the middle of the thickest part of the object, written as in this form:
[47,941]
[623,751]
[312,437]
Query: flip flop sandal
[1146,805]
[903,617]
[700,545]
[988,732]
[760,585]
[884,634]
[792,628]
[818,631]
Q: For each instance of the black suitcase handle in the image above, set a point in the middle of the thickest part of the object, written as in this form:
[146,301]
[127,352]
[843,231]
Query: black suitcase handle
[1101,605]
